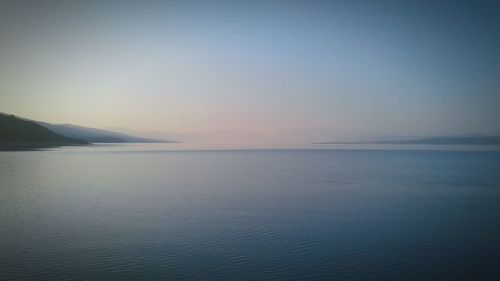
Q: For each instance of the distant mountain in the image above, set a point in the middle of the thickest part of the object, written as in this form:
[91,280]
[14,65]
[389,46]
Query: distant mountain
[472,139]
[97,135]
[17,133]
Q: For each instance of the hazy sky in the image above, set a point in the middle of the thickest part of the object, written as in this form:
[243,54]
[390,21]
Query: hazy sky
[255,73]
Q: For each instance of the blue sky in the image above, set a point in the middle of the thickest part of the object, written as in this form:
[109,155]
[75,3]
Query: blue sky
[255,73]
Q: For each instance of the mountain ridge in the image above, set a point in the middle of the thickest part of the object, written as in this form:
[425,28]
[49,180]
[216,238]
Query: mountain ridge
[18,133]
[97,135]
[465,139]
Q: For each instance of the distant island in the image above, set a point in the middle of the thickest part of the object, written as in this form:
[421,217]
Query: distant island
[445,140]
[18,133]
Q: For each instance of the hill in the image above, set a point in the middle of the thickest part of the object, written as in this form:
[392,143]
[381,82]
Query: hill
[19,133]
[96,135]
[445,140]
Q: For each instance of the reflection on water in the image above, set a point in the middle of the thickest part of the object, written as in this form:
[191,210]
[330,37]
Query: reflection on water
[139,212]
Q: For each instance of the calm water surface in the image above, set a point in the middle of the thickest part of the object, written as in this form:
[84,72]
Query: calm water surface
[122,213]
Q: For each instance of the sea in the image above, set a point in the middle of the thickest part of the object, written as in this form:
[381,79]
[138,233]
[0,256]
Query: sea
[149,212]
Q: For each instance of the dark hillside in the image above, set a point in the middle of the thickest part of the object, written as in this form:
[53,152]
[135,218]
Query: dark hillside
[15,131]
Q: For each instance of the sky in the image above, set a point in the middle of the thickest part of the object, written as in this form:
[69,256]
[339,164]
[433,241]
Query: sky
[254,73]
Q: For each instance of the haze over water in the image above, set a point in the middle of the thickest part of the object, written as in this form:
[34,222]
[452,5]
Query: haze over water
[140,213]
[254,73]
